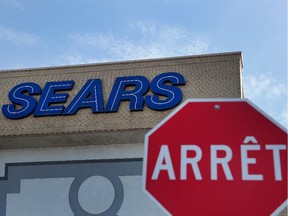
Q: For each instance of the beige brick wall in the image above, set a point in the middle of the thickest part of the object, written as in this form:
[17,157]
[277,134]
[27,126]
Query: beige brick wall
[207,76]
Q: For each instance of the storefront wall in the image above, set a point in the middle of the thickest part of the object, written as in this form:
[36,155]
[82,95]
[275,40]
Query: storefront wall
[91,164]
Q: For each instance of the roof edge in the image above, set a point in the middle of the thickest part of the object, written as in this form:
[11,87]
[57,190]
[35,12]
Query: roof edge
[125,61]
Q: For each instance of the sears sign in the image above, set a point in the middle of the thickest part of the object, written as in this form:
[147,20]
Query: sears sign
[132,88]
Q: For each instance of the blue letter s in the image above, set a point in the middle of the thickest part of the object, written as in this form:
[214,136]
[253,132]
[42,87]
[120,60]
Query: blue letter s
[17,97]
[172,93]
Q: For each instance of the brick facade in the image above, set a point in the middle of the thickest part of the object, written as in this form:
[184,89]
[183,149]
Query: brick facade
[207,76]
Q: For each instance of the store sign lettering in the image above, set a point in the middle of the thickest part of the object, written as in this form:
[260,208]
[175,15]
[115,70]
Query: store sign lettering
[130,88]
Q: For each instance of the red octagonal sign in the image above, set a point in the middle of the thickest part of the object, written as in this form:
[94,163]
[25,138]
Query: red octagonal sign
[217,157]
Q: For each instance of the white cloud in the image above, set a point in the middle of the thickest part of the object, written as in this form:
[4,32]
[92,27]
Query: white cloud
[17,37]
[152,41]
[93,40]
[14,4]
[17,5]
[144,26]
[263,86]
[284,116]
[267,92]
[75,58]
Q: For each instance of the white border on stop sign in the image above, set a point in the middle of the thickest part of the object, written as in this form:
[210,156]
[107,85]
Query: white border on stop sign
[275,213]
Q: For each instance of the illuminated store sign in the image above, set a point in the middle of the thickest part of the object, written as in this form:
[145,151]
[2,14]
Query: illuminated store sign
[129,88]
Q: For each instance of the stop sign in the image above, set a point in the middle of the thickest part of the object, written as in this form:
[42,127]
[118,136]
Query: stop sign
[217,157]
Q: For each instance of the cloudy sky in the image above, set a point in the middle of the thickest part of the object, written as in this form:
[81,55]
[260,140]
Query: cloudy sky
[40,33]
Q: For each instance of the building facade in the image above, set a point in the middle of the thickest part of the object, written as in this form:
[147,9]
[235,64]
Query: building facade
[71,138]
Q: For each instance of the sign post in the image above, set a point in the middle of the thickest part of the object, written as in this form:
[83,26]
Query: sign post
[217,157]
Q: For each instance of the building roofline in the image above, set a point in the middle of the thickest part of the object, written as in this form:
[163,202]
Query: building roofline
[125,62]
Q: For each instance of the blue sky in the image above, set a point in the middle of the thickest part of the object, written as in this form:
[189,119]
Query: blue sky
[36,33]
